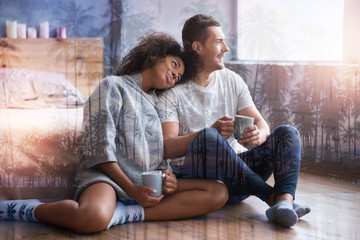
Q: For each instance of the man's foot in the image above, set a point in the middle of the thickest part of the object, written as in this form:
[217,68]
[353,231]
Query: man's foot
[301,210]
[282,213]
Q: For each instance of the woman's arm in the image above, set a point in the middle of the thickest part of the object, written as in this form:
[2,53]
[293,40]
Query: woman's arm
[139,193]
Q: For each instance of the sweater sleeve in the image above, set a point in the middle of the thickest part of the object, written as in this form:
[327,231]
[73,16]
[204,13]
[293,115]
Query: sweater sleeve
[101,113]
[166,107]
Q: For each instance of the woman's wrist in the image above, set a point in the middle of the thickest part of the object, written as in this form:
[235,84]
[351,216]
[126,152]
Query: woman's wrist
[130,189]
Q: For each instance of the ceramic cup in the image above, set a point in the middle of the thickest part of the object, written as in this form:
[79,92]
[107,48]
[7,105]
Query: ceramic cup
[240,124]
[154,180]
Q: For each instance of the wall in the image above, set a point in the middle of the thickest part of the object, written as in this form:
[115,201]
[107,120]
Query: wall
[120,23]
[351,31]
[321,100]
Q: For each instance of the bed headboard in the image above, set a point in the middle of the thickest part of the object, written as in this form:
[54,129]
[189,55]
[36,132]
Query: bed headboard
[79,59]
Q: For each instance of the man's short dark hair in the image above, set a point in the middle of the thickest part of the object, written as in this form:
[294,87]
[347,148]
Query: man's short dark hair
[195,29]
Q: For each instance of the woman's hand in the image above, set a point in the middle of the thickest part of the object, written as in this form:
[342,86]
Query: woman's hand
[141,195]
[169,182]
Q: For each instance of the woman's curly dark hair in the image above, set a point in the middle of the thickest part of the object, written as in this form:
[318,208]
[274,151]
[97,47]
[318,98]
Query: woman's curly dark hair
[148,52]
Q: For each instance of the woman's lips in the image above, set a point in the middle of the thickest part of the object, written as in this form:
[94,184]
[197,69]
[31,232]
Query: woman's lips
[170,80]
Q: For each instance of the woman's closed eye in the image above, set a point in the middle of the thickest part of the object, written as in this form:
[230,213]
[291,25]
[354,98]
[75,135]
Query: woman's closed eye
[178,77]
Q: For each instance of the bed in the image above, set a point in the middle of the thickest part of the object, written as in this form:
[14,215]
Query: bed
[42,94]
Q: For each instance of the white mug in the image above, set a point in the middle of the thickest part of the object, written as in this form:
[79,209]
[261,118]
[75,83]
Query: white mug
[153,179]
[240,124]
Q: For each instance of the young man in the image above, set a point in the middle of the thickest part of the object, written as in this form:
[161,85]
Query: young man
[197,126]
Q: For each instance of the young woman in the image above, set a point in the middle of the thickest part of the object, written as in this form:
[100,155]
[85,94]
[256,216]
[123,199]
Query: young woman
[121,138]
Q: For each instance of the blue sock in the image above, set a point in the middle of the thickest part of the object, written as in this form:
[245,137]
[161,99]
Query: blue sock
[126,211]
[282,213]
[19,210]
[301,210]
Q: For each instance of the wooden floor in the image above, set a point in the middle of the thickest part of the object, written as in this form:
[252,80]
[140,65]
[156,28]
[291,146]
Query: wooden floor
[335,215]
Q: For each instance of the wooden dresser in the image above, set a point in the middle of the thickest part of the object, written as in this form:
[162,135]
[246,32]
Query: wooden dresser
[80,59]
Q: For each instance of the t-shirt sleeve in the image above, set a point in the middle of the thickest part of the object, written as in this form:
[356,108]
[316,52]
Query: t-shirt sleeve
[166,107]
[244,98]
[101,113]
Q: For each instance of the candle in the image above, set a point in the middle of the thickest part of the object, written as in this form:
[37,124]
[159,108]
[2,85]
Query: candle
[21,30]
[44,30]
[61,32]
[31,32]
[11,29]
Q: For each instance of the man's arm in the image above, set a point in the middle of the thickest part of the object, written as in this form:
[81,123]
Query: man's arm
[258,133]
[175,145]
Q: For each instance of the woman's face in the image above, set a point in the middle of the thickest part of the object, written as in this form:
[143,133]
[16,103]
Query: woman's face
[166,72]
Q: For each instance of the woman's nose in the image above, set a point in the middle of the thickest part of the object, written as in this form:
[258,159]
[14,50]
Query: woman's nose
[175,76]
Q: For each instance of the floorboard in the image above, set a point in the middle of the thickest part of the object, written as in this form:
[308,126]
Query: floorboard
[335,215]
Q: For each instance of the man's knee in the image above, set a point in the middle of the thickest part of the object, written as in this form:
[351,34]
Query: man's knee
[210,133]
[287,131]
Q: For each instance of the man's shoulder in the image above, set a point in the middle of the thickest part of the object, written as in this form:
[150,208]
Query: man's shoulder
[179,88]
[227,73]
[230,76]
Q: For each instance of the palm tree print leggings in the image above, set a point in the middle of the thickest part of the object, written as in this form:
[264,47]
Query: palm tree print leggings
[211,157]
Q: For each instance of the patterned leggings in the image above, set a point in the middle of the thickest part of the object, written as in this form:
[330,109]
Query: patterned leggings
[210,156]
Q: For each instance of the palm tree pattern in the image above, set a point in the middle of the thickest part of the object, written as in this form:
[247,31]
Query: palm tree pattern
[21,212]
[37,159]
[11,211]
[321,101]
[8,53]
[120,125]
[130,211]
[210,156]
[107,116]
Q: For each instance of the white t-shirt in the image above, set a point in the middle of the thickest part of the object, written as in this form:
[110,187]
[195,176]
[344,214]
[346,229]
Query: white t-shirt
[195,107]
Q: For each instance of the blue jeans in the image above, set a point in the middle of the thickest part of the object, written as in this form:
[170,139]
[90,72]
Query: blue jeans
[210,156]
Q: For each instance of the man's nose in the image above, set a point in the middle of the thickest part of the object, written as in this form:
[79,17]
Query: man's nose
[225,48]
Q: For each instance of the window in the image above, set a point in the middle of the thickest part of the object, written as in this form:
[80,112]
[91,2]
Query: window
[290,30]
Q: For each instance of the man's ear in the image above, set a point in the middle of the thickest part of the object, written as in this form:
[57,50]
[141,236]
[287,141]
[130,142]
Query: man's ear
[196,46]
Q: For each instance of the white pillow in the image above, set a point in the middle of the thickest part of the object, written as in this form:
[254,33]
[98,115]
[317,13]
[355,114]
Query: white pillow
[22,88]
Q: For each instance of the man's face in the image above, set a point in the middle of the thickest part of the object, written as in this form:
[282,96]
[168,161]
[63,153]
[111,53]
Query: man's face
[212,52]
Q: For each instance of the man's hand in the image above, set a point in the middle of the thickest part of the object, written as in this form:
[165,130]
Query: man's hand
[258,133]
[225,126]
[252,137]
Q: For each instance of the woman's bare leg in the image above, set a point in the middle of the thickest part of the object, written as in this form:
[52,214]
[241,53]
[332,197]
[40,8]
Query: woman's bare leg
[91,214]
[194,197]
